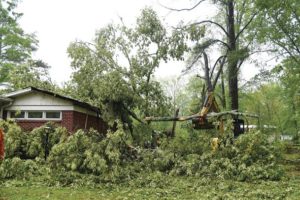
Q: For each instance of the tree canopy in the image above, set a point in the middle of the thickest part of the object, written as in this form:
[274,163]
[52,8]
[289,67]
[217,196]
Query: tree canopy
[116,70]
[15,45]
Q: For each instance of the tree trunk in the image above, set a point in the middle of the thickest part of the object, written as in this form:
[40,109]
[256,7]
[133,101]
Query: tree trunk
[223,90]
[232,61]
[207,77]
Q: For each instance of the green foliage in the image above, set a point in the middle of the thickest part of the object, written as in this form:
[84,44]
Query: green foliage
[32,73]
[192,91]
[15,139]
[43,138]
[187,141]
[138,138]
[296,139]
[148,24]
[123,90]
[97,158]
[288,74]
[92,153]
[275,104]
[33,144]
[69,154]
[15,45]
[279,24]
[250,157]
[15,168]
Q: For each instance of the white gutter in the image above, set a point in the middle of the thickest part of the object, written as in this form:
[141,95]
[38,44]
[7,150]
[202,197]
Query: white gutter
[18,92]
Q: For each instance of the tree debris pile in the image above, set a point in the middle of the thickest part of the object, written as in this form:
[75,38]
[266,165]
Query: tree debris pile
[112,157]
[250,157]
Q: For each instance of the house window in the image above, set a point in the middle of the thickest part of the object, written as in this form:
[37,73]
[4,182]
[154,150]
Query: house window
[52,115]
[35,114]
[17,114]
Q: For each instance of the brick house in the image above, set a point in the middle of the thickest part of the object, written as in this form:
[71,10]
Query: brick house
[32,107]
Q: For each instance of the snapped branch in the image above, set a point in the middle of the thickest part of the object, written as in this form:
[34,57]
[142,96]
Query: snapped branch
[214,23]
[183,9]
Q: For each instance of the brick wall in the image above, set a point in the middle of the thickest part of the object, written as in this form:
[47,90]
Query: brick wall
[67,120]
[72,120]
[28,125]
[82,121]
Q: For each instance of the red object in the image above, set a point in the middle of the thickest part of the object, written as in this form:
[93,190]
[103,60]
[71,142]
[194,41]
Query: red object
[1,145]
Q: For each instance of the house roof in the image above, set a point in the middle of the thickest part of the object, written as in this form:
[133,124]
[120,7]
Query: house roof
[34,89]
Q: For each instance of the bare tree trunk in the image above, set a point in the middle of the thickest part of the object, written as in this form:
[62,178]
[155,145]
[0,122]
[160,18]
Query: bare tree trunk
[207,77]
[232,61]
[223,90]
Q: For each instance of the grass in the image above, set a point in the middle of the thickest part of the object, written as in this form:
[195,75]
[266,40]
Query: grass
[167,188]
[155,186]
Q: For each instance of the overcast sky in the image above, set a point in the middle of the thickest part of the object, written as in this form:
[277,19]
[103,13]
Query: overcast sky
[56,23]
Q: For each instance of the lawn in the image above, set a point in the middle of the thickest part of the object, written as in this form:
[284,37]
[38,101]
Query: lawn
[159,186]
[168,188]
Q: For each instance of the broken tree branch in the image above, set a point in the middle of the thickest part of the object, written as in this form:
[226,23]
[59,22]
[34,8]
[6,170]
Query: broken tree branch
[232,112]
[197,116]
[217,61]
[212,22]
[218,74]
[183,9]
[206,69]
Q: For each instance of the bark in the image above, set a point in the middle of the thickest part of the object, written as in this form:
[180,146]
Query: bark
[197,116]
[223,90]
[232,62]
[207,77]
[218,74]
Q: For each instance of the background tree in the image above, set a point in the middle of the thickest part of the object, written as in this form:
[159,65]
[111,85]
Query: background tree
[268,105]
[15,45]
[273,96]
[192,96]
[280,27]
[288,73]
[230,35]
[32,73]
[279,30]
